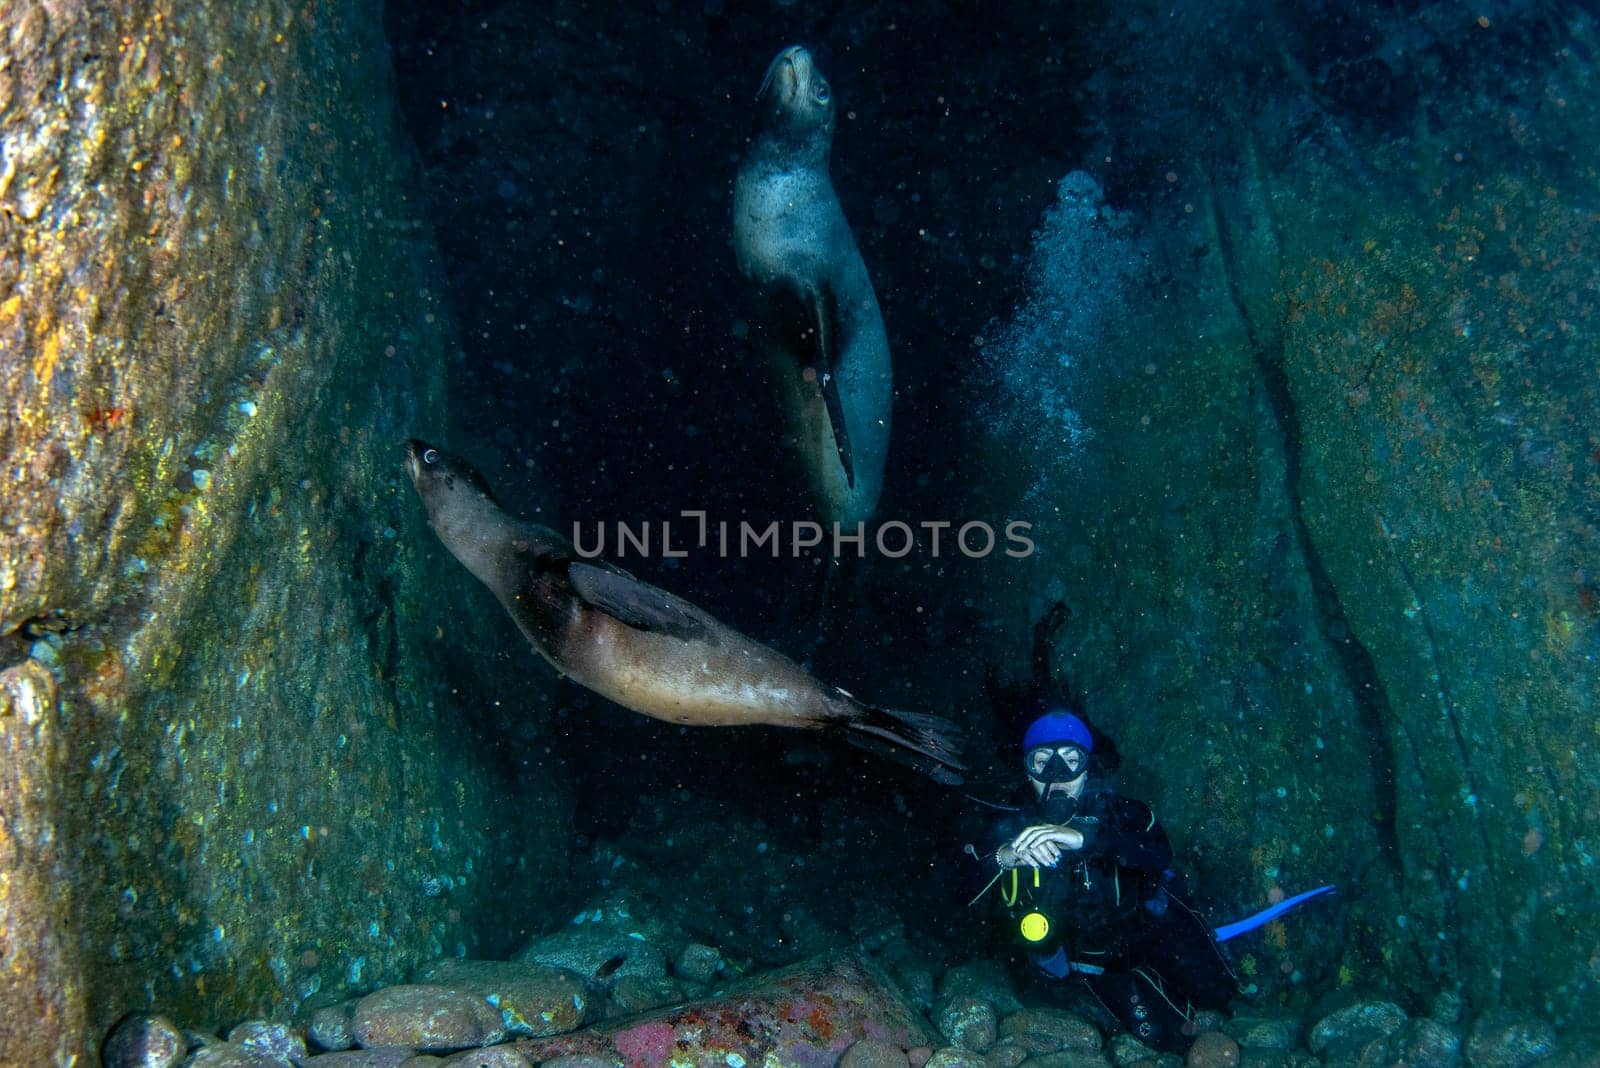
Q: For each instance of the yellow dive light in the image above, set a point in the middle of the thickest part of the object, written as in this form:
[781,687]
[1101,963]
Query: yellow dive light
[1035,926]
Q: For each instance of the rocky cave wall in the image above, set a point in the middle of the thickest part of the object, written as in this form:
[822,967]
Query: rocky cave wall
[237,710]
[1331,516]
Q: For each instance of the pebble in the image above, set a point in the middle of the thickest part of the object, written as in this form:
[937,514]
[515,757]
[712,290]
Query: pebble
[272,1039]
[1265,1032]
[1449,1007]
[1126,1051]
[228,1055]
[533,1000]
[950,1057]
[1057,1029]
[874,1053]
[489,1057]
[141,1040]
[1213,1049]
[968,1023]
[425,1017]
[698,963]
[1427,1043]
[1262,1057]
[1005,1054]
[916,983]
[377,1057]
[919,1055]
[986,979]
[1353,1026]
[635,993]
[330,1026]
[593,952]
[1070,1058]
[1504,1039]
[580,1060]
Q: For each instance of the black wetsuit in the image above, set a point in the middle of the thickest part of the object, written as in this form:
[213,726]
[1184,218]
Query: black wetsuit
[1113,919]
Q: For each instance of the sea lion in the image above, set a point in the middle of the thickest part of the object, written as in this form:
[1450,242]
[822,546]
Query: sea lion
[642,647]
[816,317]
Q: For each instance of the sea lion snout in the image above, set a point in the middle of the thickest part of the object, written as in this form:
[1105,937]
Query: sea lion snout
[414,449]
[785,62]
[794,87]
[440,476]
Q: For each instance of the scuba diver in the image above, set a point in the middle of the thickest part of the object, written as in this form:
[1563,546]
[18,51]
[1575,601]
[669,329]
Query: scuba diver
[1084,875]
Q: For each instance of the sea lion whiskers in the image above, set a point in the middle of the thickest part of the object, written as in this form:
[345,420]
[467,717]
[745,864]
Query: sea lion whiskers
[772,69]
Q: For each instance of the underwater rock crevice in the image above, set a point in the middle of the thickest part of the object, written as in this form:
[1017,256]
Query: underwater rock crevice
[1356,663]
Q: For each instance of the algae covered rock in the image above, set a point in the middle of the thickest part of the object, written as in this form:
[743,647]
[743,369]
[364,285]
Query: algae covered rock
[425,1017]
[1333,504]
[272,1039]
[808,1013]
[378,1057]
[141,1040]
[1053,1029]
[967,1023]
[1354,1025]
[219,316]
[1508,1039]
[533,1000]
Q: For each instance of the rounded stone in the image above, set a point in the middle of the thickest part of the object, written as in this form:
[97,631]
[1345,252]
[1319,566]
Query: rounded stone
[599,955]
[272,1039]
[228,1055]
[1501,1039]
[636,993]
[1213,1050]
[377,1057]
[1069,1058]
[533,1000]
[330,1027]
[1005,1054]
[579,1060]
[968,1023]
[698,963]
[1054,1029]
[1427,1043]
[1261,1057]
[143,1041]
[489,1057]
[951,1057]
[1265,1032]
[874,1053]
[1125,1050]
[1355,1025]
[425,1017]
[986,979]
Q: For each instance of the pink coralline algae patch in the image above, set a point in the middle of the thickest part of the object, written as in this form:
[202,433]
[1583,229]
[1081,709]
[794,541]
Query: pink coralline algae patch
[647,1046]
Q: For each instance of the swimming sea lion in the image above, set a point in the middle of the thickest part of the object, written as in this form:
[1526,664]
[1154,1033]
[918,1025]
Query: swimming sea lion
[816,316]
[642,647]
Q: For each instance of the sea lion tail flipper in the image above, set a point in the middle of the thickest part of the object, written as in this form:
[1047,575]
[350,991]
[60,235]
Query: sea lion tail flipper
[928,743]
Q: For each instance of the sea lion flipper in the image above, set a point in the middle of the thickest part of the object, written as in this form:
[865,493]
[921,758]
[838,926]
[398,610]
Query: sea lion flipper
[931,744]
[825,311]
[638,604]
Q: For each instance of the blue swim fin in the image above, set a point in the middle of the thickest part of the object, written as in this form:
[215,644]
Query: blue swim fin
[1267,915]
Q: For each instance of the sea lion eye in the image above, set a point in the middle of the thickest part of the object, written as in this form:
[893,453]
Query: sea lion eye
[430,456]
[822,93]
